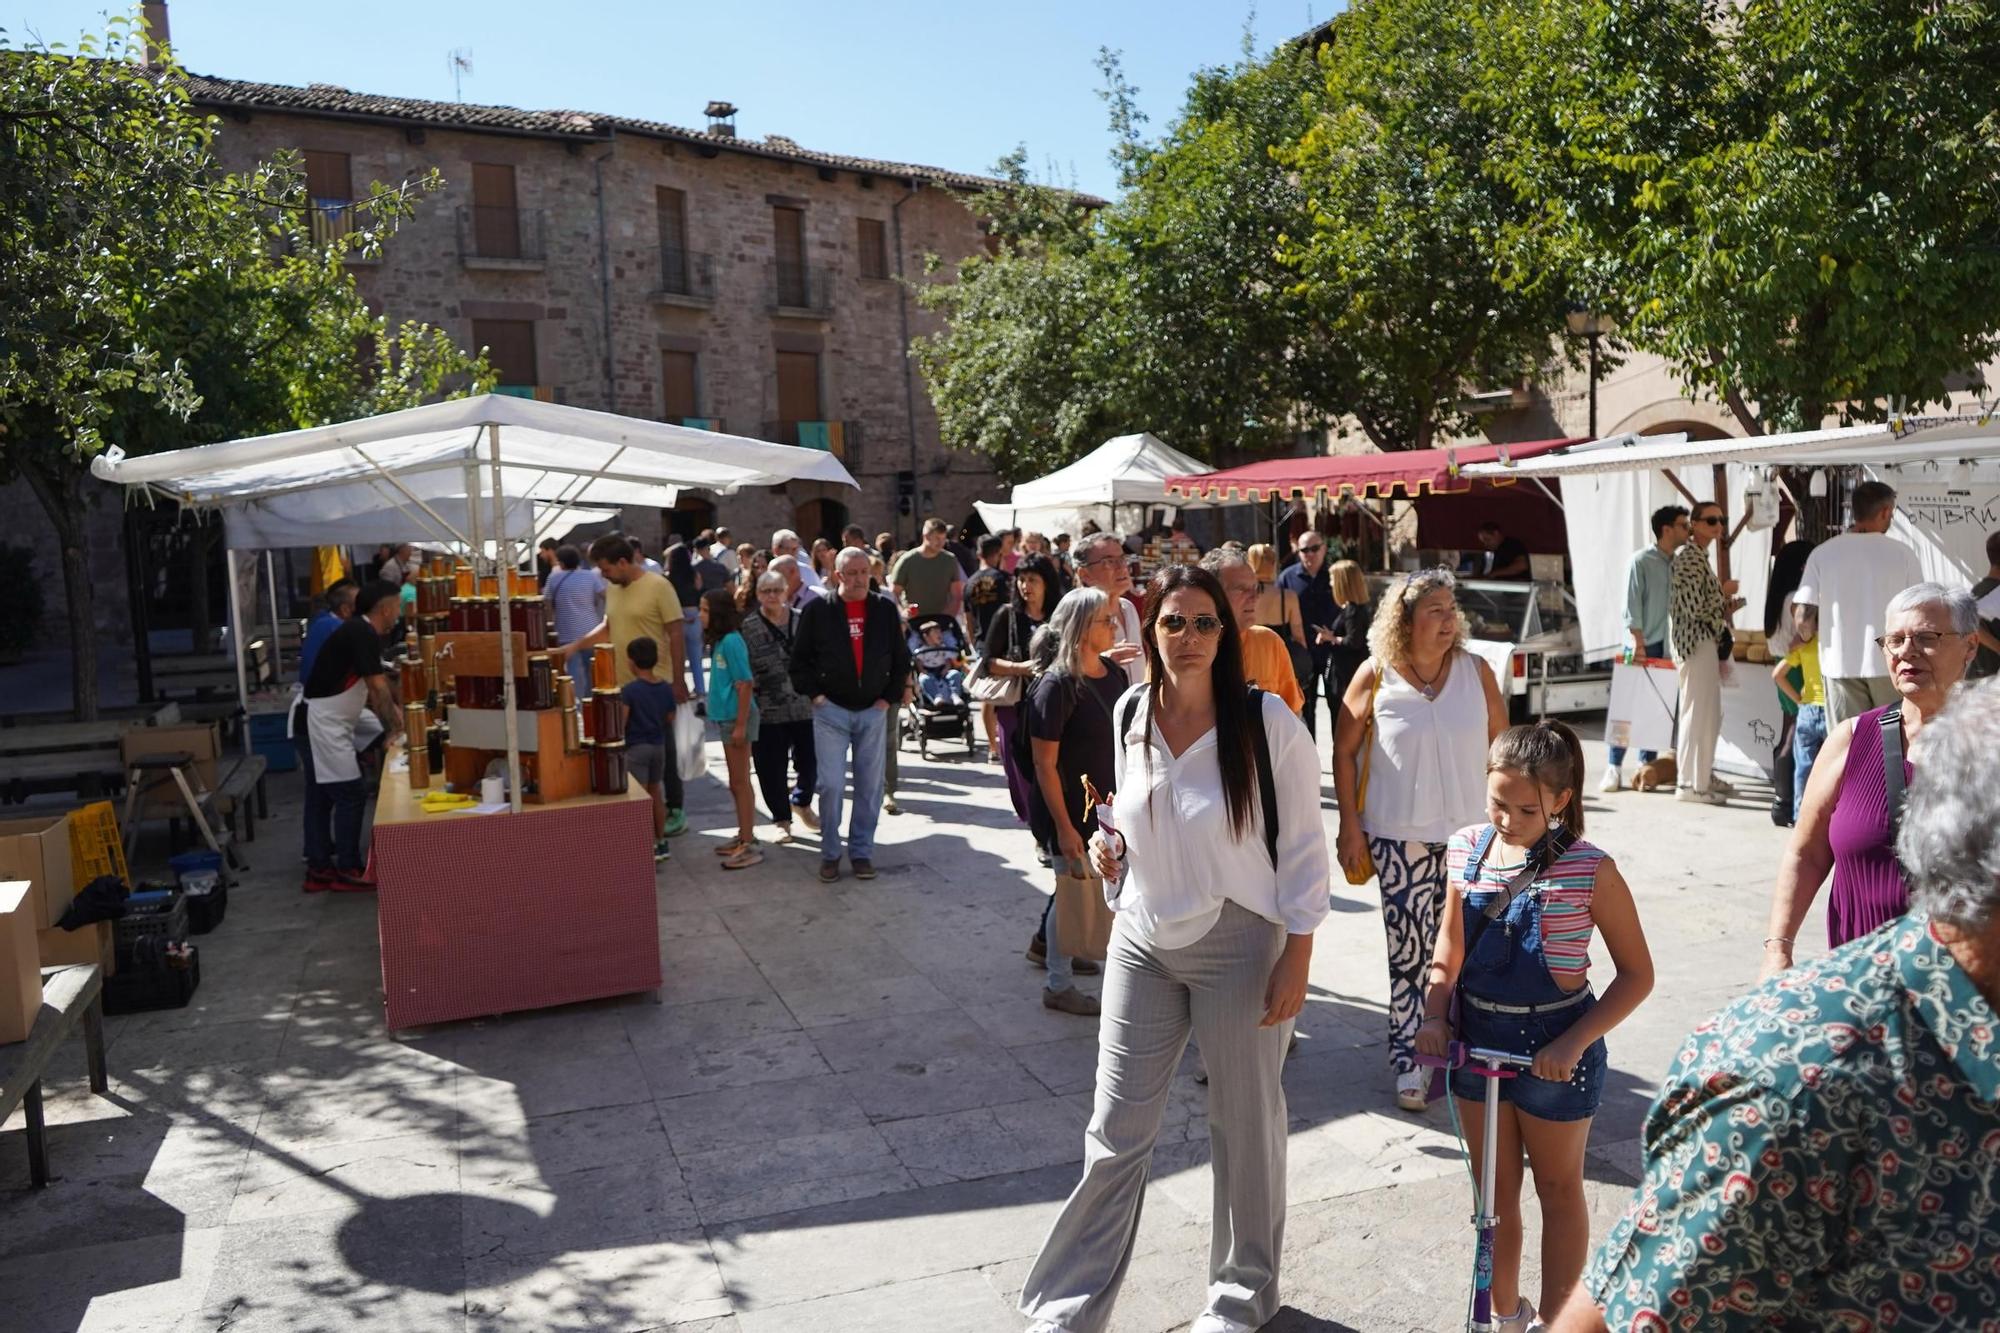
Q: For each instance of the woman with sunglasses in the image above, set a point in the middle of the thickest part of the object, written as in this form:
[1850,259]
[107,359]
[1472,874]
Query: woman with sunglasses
[1215,906]
[1416,719]
[1848,821]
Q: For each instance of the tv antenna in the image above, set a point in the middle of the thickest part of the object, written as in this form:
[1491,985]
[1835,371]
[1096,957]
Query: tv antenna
[461,65]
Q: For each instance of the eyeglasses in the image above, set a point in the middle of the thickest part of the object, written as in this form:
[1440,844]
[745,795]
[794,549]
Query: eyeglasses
[1924,641]
[1175,623]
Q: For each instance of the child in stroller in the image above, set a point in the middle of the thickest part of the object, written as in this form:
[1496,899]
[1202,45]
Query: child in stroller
[938,651]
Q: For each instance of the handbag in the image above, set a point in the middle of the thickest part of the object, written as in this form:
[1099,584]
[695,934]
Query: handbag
[1725,645]
[1367,872]
[1000,691]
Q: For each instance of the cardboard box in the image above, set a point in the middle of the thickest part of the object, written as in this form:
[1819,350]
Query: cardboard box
[20,968]
[92,944]
[203,740]
[37,850]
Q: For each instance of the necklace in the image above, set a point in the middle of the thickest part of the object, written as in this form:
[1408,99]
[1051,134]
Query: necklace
[1427,685]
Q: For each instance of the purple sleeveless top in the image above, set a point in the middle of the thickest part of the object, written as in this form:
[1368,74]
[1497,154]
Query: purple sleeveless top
[1868,887]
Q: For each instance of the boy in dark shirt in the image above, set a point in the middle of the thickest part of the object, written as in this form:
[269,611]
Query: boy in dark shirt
[649,721]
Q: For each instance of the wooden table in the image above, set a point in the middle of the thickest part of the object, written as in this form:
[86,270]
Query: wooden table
[492,914]
[71,996]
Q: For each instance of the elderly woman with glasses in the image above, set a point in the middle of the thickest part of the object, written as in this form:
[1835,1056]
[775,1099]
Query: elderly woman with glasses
[1848,821]
[1217,875]
[1409,765]
[786,735]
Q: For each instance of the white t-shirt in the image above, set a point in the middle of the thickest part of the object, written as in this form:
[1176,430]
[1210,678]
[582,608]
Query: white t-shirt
[1851,579]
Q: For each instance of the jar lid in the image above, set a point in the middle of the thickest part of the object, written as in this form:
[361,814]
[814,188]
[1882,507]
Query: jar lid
[613,694]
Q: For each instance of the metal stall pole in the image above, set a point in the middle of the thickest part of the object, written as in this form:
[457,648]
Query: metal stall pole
[503,550]
[277,638]
[236,640]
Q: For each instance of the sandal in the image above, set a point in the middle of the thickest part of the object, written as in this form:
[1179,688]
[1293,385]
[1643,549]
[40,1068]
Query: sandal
[746,856]
[732,848]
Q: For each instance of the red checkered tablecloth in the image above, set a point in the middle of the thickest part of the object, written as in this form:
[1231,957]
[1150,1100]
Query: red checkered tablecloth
[490,914]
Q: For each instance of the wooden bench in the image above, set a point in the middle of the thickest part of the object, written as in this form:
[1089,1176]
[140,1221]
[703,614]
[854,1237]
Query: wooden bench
[68,756]
[231,796]
[71,996]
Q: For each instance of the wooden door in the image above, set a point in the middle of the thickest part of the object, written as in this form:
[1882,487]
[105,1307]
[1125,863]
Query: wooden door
[798,391]
[678,382]
[496,217]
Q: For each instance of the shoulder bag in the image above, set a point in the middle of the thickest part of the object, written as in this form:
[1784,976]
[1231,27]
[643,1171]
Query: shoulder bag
[1367,870]
[1000,691]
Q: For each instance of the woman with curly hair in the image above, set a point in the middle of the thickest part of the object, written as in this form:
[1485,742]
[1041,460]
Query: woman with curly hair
[1409,765]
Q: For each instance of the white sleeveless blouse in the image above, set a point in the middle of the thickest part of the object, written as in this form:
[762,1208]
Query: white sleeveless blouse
[1427,772]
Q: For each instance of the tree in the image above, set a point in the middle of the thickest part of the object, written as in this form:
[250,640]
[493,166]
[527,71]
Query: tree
[149,300]
[1793,204]
[1399,251]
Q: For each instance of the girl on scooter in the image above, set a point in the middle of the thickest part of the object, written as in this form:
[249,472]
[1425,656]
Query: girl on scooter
[1524,895]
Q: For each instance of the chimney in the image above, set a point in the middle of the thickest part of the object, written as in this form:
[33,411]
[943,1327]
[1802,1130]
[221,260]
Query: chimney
[721,119]
[153,14]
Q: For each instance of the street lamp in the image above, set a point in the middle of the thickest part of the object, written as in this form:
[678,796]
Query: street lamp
[1587,324]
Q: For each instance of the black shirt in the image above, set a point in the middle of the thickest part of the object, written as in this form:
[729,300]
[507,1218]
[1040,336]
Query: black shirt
[1316,607]
[986,592]
[1076,713]
[1010,634]
[1481,564]
[352,652]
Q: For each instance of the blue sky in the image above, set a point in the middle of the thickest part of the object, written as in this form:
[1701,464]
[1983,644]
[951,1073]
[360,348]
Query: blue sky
[939,82]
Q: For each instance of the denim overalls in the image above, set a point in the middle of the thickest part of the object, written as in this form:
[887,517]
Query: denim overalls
[1509,1002]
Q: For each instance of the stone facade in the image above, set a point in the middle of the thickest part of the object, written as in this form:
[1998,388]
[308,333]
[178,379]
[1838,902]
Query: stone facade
[590,281]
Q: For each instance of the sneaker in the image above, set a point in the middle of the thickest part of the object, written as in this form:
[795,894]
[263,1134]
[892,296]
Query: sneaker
[1611,781]
[1042,855]
[783,836]
[805,815]
[661,851]
[1038,952]
[1720,787]
[351,881]
[1070,1000]
[829,871]
[319,879]
[1413,1089]
[1521,1320]
[1208,1321]
[1693,797]
[863,867]
[677,823]
[889,806]
[746,856]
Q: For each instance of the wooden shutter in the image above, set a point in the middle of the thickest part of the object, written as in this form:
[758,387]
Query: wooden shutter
[798,387]
[329,177]
[496,218]
[677,379]
[672,206]
[510,347]
[788,226]
[871,240]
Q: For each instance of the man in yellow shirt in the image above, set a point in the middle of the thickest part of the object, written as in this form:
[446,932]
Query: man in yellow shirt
[1266,663]
[638,604]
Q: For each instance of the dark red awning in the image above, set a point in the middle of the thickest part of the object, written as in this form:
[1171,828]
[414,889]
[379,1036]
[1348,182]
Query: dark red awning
[1418,472]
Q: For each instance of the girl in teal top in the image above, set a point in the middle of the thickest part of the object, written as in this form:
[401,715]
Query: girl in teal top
[732,706]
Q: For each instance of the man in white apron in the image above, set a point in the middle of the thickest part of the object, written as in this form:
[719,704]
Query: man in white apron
[347,704]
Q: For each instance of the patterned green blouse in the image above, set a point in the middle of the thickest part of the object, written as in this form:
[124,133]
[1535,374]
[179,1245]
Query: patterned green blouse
[1824,1155]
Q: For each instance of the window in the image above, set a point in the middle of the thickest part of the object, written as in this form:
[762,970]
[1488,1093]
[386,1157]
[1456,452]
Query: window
[798,389]
[672,205]
[678,382]
[510,348]
[330,187]
[871,239]
[788,227]
[496,216]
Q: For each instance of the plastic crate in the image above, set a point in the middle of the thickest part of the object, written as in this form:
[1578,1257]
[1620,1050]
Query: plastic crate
[152,920]
[268,738]
[206,910]
[136,990]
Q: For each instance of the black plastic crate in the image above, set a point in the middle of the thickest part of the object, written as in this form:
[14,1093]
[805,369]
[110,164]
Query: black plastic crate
[142,934]
[163,986]
[205,910]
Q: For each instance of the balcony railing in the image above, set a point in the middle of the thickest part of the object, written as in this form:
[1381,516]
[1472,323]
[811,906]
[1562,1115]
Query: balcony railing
[492,235]
[331,219]
[842,439]
[800,289]
[686,276]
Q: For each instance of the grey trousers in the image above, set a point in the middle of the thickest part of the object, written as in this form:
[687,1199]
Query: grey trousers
[1153,1000]
[1851,696]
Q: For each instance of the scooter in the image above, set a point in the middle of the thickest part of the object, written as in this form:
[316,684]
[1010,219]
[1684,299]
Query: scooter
[1491,1066]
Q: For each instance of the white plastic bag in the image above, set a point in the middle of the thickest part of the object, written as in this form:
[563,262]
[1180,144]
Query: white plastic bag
[690,742]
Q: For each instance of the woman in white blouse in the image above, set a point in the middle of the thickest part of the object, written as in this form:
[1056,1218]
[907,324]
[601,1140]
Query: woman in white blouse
[1425,721]
[1216,904]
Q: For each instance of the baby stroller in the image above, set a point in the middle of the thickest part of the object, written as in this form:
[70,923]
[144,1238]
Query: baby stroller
[941,706]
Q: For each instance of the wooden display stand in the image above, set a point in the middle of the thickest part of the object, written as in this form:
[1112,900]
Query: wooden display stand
[559,774]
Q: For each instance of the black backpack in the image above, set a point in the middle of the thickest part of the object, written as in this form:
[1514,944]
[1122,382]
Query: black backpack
[1267,782]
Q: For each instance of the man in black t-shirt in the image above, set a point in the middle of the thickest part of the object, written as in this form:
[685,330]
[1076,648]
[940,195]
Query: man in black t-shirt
[347,683]
[986,591]
[1498,557]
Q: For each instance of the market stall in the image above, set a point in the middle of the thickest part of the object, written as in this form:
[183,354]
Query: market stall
[481,909]
[1120,486]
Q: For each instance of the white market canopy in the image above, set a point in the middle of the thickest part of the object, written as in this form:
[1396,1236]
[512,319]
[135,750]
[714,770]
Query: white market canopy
[566,457]
[1944,441]
[1124,470]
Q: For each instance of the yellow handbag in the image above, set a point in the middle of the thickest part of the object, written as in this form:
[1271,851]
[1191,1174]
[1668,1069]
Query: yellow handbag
[1367,870]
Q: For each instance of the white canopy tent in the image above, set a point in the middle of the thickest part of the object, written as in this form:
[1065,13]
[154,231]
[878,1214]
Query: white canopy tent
[1126,471]
[457,471]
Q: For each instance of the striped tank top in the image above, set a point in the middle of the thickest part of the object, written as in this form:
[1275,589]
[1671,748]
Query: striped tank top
[1565,893]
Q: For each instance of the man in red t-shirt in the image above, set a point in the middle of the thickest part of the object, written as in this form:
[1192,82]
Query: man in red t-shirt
[850,658]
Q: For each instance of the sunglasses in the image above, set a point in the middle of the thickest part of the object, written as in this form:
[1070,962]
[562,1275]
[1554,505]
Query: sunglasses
[1311,550]
[1173,622]
[1711,520]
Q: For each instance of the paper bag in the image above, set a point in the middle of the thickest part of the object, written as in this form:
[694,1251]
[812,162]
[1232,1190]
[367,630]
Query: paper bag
[1644,698]
[1083,918]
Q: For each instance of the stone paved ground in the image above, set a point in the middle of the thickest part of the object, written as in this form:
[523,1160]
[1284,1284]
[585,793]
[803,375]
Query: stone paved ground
[850,1112]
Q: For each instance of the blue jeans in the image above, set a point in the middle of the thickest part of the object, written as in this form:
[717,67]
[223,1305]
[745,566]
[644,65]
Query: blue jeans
[691,616]
[332,817]
[1808,734]
[1061,974]
[839,733]
[1658,649]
